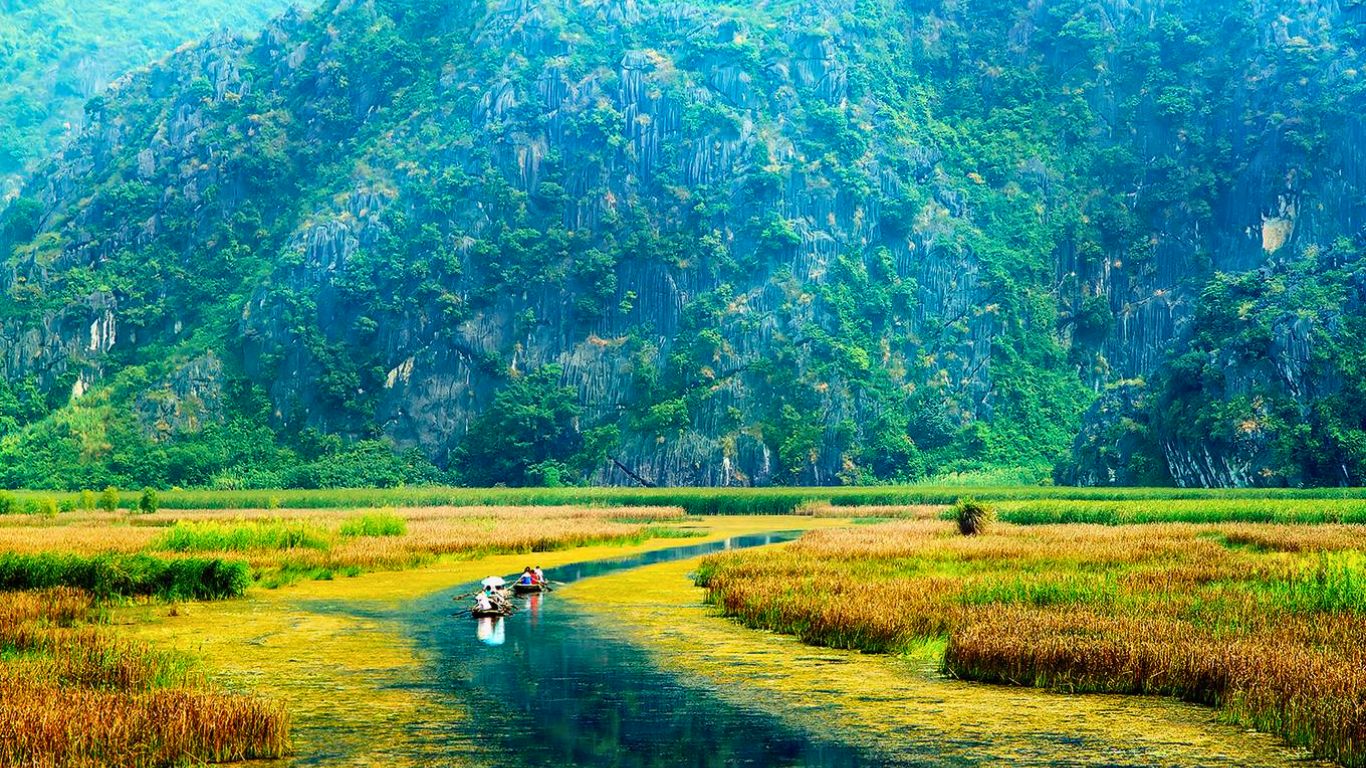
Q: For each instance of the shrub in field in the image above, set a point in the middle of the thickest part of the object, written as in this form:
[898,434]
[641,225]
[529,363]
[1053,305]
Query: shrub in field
[8,505]
[148,502]
[375,524]
[973,516]
[88,500]
[126,575]
[109,499]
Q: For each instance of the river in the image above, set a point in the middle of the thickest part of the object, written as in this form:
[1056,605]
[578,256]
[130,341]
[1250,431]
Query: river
[623,666]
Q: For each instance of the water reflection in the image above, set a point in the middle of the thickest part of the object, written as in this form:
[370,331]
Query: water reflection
[566,695]
[491,631]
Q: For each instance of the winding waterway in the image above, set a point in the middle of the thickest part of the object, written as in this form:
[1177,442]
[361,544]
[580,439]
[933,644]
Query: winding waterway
[547,690]
[561,683]
[624,666]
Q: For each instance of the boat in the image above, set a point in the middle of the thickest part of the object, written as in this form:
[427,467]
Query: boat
[492,613]
[528,589]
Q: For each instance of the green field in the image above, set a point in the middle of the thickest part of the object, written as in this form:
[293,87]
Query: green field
[1019,504]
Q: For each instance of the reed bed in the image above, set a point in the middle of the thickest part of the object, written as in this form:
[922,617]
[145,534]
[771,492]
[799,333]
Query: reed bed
[122,554]
[83,537]
[697,501]
[1269,509]
[72,694]
[1267,622]
[427,539]
[107,575]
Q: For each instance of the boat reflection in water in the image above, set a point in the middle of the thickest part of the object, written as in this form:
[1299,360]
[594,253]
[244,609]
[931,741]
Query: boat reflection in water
[491,631]
[533,604]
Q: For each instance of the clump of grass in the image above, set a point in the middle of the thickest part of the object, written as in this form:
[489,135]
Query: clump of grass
[242,537]
[72,695]
[1334,583]
[374,524]
[126,575]
[973,517]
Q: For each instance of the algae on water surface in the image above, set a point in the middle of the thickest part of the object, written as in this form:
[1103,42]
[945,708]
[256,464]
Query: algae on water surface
[901,706]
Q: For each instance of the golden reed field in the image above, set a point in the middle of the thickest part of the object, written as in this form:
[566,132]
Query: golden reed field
[1267,622]
[73,693]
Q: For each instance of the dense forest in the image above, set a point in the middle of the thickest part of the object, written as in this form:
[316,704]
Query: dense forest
[830,242]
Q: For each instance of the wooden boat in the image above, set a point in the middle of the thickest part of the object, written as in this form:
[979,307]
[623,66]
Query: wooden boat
[528,589]
[494,613]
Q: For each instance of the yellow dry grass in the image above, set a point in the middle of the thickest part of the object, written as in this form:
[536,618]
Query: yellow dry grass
[73,694]
[1267,622]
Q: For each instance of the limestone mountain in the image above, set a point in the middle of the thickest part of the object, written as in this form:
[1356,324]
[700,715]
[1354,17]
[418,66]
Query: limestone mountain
[57,54]
[535,241]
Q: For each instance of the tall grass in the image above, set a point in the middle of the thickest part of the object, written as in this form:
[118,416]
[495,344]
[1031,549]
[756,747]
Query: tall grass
[697,501]
[71,694]
[1212,510]
[281,546]
[242,537]
[1267,622]
[374,524]
[126,575]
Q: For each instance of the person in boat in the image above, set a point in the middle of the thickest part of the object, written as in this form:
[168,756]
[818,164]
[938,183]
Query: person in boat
[538,575]
[496,598]
[482,602]
[528,578]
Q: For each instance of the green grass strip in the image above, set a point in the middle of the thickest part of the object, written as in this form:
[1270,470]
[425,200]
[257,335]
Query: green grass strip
[109,576]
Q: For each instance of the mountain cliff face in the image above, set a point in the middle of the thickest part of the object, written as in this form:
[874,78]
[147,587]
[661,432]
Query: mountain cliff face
[820,242]
[57,54]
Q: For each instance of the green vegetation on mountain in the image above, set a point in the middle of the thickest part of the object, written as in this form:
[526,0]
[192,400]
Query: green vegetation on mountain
[57,54]
[817,243]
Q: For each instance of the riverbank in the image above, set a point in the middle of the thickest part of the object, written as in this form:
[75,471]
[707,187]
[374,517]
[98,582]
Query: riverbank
[347,672]
[900,706]
[1263,622]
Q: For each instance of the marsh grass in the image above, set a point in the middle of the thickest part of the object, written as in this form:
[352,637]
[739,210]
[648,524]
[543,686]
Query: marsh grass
[276,534]
[374,524]
[283,546]
[1271,509]
[72,694]
[696,501]
[112,575]
[1273,634]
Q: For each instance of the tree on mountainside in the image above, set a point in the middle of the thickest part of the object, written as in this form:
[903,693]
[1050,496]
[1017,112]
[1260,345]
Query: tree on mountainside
[531,435]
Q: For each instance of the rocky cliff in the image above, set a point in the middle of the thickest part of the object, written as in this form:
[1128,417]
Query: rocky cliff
[58,54]
[823,242]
